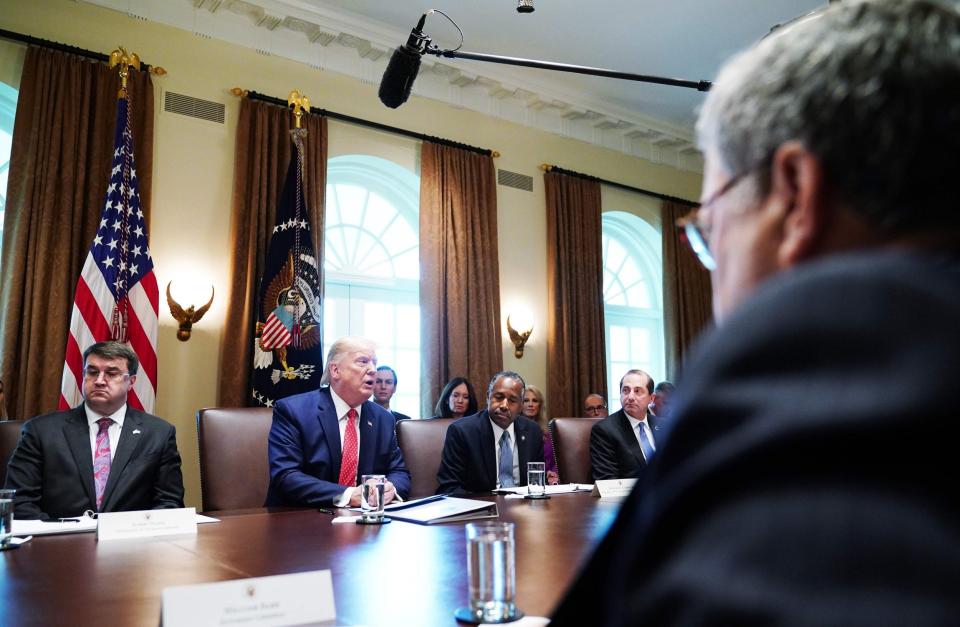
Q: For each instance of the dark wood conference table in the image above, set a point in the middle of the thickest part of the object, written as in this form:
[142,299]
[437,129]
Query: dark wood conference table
[395,574]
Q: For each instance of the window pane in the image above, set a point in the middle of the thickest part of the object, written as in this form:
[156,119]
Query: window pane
[372,264]
[632,274]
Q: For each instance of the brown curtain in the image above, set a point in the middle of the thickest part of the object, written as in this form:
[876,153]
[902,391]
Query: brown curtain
[459,270]
[59,170]
[264,150]
[688,304]
[576,354]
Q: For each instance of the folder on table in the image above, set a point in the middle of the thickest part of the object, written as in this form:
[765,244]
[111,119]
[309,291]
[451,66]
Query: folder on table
[441,509]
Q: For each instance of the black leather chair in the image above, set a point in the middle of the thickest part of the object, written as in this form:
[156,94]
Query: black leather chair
[421,442]
[9,436]
[571,448]
[234,472]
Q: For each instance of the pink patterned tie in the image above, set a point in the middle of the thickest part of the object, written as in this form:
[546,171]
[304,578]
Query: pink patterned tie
[348,465]
[101,460]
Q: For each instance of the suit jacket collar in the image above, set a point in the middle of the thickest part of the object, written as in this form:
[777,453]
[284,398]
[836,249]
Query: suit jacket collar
[76,432]
[489,453]
[329,423]
[629,435]
[131,436]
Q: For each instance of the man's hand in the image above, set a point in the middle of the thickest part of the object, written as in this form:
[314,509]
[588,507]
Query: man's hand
[389,493]
[552,478]
[356,497]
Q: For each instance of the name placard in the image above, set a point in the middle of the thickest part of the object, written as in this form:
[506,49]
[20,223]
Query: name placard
[296,599]
[613,488]
[146,523]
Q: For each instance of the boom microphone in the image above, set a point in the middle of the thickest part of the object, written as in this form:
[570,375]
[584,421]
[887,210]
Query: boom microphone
[402,69]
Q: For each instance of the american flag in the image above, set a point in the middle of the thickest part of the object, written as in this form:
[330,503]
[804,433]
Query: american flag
[117,297]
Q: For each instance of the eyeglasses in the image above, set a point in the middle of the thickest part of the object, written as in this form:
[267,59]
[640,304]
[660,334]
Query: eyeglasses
[697,229]
[110,374]
[590,409]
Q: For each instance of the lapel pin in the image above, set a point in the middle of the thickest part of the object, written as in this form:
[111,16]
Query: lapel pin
[369,424]
[136,432]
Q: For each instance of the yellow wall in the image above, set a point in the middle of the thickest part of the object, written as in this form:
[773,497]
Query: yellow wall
[193,177]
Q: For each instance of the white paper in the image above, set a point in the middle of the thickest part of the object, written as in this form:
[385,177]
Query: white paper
[613,488]
[42,528]
[561,488]
[149,523]
[297,599]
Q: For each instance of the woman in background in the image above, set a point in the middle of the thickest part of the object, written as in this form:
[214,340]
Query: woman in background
[533,409]
[456,400]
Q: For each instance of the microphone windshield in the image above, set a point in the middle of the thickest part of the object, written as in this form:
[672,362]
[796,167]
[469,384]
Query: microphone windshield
[399,76]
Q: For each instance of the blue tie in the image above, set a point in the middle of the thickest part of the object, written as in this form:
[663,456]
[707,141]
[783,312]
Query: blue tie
[506,461]
[645,444]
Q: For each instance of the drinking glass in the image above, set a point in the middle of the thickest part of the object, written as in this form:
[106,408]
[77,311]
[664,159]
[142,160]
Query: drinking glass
[371,502]
[536,478]
[6,516]
[492,571]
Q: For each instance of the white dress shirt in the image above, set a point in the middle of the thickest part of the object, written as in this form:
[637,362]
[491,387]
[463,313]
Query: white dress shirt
[342,409]
[644,424]
[113,431]
[497,431]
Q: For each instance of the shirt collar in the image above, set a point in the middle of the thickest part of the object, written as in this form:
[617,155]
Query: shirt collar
[634,422]
[342,407]
[117,416]
[497,431]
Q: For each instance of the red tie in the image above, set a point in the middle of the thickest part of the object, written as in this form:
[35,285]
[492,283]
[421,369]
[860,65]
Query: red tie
[348,465]
[101,460]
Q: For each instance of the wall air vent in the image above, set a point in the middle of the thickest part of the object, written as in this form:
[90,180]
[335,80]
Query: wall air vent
[515,180]
[193,107]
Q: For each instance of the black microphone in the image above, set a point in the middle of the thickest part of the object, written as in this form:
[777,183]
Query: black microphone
[402,69]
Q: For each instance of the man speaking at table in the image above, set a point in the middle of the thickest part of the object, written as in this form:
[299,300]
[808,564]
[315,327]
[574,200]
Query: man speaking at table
[491,448]
[809,477]
[321,442]
[100,456]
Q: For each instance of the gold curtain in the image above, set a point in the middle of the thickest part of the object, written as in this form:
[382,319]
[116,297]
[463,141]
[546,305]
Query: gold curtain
[263,150]
[688,302]
[59,169]
[460,281]
[576,355]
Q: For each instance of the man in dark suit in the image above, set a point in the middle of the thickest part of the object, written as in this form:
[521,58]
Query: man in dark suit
[101,456]
[322,442]
[491,448]
[384,387]
[624,441]
[808,475]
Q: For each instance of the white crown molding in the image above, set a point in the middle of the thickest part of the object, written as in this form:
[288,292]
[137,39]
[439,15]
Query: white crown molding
[343,43]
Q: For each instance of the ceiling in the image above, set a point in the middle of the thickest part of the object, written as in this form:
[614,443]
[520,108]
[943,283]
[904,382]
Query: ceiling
[686,39]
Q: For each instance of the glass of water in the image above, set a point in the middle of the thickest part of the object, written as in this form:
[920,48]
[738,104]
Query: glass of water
[6,516]
[536,478]
[371,503]
[492,570]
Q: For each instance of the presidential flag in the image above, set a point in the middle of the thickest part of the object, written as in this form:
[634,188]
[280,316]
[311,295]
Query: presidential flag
[117,297]
[288,351]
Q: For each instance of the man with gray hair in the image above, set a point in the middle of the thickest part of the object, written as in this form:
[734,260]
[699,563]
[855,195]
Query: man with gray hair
[322,442]
[808,475]
[491,448]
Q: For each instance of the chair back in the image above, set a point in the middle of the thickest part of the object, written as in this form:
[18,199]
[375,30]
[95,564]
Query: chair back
[9,436]
[234,473]
[571,448]
[421,442]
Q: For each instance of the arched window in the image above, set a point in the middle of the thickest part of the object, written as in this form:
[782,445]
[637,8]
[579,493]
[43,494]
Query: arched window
[372,265]
[8,110]
[633,298]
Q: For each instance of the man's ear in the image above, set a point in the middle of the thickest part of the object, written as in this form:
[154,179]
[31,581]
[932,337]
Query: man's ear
[797,181]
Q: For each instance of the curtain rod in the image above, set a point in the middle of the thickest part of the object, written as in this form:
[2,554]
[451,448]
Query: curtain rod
[546,167]
[80,52]
[236,91]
